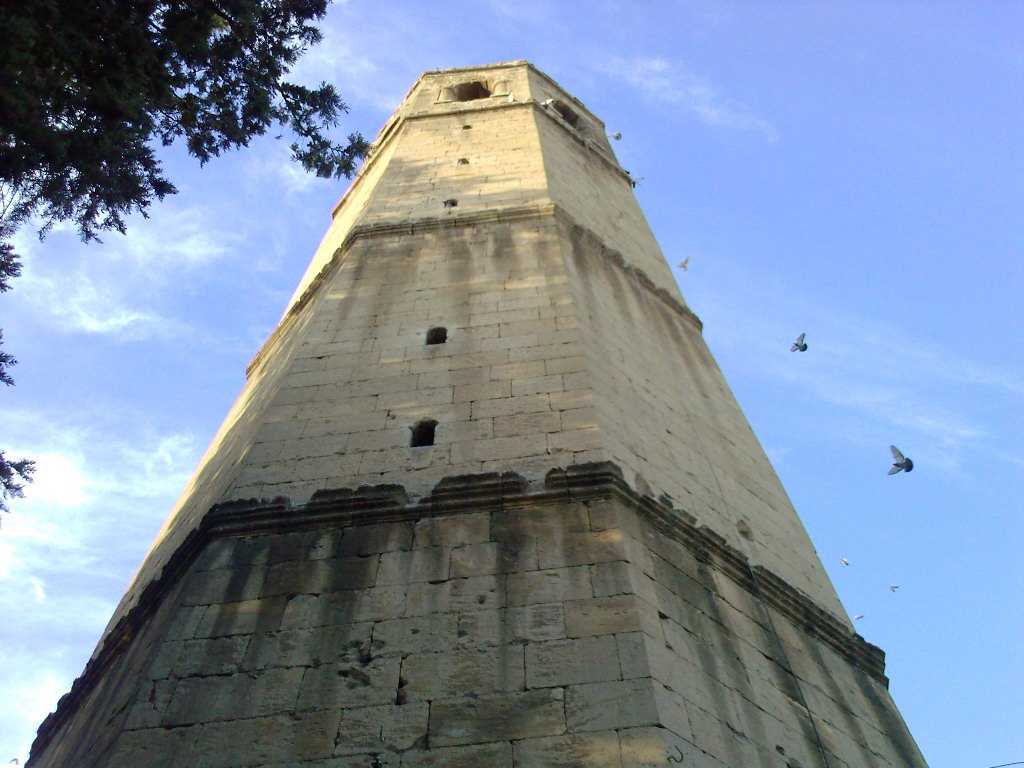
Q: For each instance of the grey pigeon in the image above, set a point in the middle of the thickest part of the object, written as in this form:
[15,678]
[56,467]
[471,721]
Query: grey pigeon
[799,345]
[893,587]
[685,264]
[901,463]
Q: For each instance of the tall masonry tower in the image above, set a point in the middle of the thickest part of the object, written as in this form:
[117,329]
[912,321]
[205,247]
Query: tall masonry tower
[485,500]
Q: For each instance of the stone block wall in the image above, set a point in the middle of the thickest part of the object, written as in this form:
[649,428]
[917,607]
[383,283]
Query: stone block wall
[541,629]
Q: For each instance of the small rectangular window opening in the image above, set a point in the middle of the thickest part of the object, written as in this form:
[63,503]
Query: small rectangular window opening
[423,434]
[437,335]
[470,91]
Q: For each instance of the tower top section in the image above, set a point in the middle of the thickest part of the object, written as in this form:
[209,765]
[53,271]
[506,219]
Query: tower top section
[501,138]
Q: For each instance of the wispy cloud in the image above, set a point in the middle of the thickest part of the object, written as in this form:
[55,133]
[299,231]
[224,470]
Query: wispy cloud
[113,288]
[877,377]
[64,548]
[675,82]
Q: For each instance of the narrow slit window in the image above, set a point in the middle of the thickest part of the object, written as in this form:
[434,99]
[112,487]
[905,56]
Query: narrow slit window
[463,161]
[423,433]
[437,335]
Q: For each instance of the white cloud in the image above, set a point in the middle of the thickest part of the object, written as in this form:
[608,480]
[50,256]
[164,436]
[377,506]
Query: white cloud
[115,288]
[67,547]
[677,83]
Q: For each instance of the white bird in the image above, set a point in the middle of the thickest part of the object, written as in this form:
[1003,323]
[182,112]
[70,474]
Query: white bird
[685,264]
[799,345]
[844,561]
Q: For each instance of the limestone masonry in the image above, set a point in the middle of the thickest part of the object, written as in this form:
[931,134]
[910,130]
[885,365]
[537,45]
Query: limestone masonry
[485,500]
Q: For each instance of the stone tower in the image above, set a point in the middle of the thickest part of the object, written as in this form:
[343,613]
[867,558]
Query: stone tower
[485,500]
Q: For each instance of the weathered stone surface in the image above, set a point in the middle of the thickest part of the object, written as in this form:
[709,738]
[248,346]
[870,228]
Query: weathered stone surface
[609,615]
[544,621]
[234,697]
[154,748]
[417,634]
[372,539]
[211,656]
[476,560]
[652,747]
[568,662]
[358,683]
[492,755]
[324,575]
[529,523]
[263,615]
[224,586]
[581,549]
[464,672]
[401,727]
[604,706]
[266,740]
[548,586]
[420,564]
[577,750]
[307,647]
[497,718]
[350,607]
[472,594]
[452,530]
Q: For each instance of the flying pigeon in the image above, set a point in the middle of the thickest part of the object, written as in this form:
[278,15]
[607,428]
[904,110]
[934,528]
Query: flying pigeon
[799,345]
[685,264]
[893,587]
[858,616]
[901,463]
[844,561]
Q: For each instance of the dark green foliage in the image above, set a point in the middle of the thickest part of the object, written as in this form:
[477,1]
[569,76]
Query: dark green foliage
[13,475]
[89,87]
[88,90]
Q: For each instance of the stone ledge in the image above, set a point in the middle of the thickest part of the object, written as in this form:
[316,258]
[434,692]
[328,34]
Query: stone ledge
[456,495]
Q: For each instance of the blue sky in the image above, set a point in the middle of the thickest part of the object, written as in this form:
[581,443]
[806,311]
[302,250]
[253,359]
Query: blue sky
[850,170]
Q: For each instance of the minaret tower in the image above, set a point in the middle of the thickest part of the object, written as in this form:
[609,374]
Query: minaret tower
[485,500]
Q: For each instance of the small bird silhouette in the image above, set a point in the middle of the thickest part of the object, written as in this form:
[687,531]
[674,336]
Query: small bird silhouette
[901,463]
[685,264]
[617,135]
[844,561]
[799,345]
[893,587]
[858,616]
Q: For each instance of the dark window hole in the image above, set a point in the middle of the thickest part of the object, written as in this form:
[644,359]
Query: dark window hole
[437,336]
[423,434]
[451,202]
[463,161]
[470,91]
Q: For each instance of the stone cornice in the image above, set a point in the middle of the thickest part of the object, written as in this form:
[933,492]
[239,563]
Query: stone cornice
[456,495]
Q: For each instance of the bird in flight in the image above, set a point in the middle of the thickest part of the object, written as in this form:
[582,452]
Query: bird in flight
[902,463]
[858,616]
[893,587]
[844,562]
[799,345]
[685,264]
